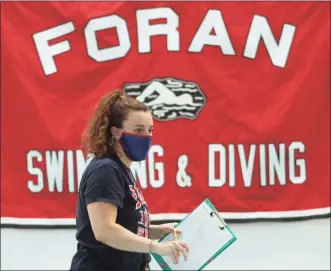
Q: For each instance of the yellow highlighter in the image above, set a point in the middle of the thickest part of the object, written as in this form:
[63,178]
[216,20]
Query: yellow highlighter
[175,233]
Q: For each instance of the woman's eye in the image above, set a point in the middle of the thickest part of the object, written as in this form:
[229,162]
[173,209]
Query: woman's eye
[143,131]
[139,131]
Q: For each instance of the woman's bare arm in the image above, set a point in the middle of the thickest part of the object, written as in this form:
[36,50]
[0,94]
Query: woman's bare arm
[106,230]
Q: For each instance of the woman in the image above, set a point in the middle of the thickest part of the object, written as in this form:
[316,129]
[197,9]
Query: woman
[112,216]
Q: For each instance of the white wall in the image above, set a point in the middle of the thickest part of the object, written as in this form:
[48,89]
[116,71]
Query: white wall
[284,245]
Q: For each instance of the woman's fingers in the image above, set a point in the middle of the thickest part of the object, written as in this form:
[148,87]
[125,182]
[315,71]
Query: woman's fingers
[184,245]
[178,248]
[174,257]
[174,225]
[178,231]
[182,248]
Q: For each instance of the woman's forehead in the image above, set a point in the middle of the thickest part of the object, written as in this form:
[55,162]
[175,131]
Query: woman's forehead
[139,118]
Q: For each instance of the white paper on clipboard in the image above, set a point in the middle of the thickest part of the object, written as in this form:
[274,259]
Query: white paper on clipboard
[205,233]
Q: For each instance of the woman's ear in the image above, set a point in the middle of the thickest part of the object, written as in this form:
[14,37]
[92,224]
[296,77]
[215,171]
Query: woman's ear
[116,132]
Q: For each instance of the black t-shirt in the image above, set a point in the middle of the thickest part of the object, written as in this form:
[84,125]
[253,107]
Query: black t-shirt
[108,180]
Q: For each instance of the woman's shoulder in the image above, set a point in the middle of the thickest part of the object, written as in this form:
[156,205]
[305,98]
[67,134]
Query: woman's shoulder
[103,162]
[99,167]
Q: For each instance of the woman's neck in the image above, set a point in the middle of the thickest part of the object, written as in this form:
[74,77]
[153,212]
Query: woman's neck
[123,158]
[126,161]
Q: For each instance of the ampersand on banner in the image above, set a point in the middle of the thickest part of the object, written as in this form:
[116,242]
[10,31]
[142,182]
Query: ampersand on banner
[182,178]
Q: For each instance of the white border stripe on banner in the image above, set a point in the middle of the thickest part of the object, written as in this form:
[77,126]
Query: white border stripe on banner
[160,217]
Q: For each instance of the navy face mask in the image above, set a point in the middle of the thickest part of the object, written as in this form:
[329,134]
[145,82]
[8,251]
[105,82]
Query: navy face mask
[135,146]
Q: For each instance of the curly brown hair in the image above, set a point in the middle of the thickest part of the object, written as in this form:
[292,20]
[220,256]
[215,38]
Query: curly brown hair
[111,111]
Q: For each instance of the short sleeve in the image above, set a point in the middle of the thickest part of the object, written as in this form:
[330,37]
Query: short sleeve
[105,185]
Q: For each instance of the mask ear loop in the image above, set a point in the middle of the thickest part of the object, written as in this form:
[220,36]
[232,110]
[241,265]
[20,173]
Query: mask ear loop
[111,141]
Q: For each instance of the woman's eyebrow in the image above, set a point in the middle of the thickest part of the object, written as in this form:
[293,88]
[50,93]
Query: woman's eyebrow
[142,126]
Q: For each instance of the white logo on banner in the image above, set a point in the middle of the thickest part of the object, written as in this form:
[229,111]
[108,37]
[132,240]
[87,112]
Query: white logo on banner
[169,98]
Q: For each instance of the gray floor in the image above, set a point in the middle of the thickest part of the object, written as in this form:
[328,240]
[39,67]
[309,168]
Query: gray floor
[269,246]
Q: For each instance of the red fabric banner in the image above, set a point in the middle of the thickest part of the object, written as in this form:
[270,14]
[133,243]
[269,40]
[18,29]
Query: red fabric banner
[240,95]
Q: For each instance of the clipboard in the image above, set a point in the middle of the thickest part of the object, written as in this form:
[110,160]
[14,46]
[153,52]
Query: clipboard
[207,235]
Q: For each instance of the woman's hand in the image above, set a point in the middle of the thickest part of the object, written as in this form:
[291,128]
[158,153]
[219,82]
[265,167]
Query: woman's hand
[171,249]
[158,231]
